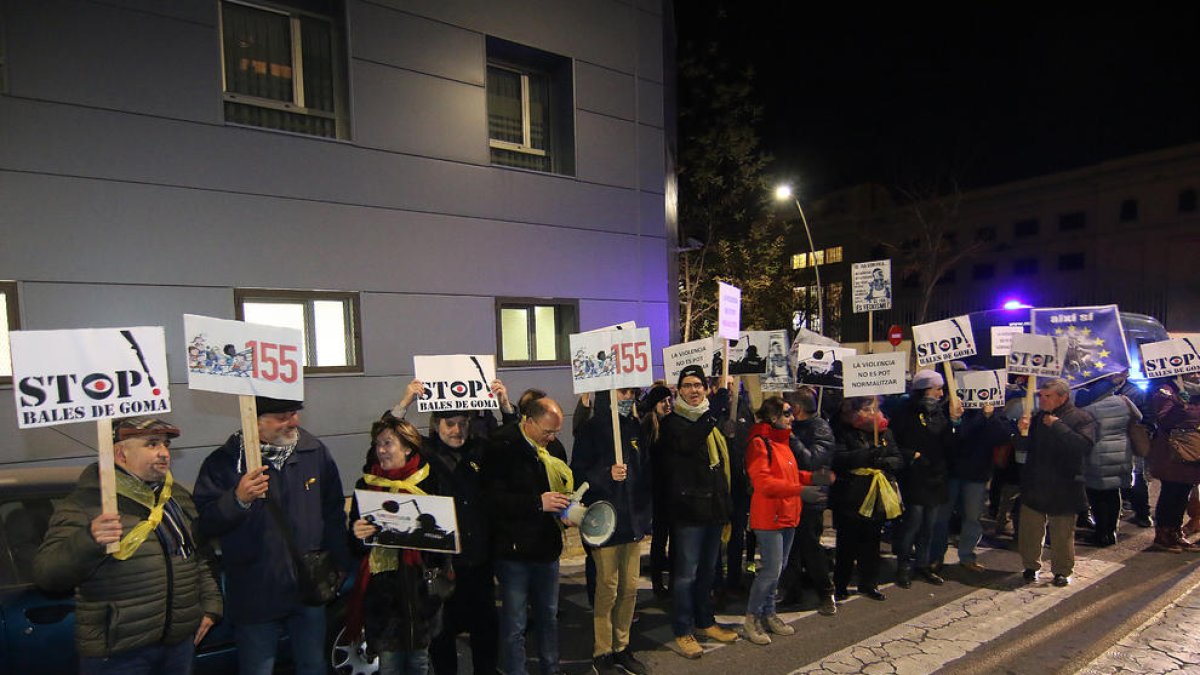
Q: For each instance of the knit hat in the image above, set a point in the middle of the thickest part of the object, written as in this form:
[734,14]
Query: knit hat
[267,405]
[927,379]
[652,398]
[691,371]
[130,427]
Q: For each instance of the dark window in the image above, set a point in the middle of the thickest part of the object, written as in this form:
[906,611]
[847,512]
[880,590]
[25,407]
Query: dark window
[329,320]
[530,108]
[986,233]
[283,68]
[1076,220]
[1129,210]
[10,319]
[1187,201]
[949,277]
[1070,262]
[983,271]
[535,331]
[1025,266]
[1025,228]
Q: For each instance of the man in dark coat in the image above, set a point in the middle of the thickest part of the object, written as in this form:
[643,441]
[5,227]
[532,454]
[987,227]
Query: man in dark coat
[1052,482]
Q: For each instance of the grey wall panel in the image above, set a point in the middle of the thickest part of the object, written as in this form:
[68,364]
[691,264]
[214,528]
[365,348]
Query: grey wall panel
[652,159]
[398,326]
[556,382]
[596,313]
[49,306]
[46,138]
[652,215]
[604,91]
[650,103]
[97,55]
[649,46]
[606,150]
[655,286]
[409,112]
[400,39]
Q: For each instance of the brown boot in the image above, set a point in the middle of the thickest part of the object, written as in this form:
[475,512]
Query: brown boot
[1164,540]
[1182,542]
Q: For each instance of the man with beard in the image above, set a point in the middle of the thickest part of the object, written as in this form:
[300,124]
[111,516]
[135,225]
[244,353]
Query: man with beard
[260,574]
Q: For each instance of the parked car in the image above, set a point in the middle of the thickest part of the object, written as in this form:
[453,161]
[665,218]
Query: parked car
[37,628]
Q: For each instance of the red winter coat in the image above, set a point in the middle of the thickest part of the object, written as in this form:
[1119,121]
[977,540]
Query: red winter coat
[776,480]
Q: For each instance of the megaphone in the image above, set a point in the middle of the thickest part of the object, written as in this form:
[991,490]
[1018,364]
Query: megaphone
[596,522]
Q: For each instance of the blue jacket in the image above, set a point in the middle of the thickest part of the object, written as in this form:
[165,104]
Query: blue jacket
[260,576]
[592,461]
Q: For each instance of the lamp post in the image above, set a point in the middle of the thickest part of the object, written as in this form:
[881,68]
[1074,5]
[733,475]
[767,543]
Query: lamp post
[784,193]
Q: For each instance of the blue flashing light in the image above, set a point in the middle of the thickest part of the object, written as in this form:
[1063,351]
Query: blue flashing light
[1014,303]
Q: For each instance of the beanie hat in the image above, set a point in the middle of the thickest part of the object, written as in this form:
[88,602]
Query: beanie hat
[267,405]
[691,371]
[927,379]
[652,398]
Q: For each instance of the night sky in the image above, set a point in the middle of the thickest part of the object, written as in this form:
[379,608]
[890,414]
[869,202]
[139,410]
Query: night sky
[980,95]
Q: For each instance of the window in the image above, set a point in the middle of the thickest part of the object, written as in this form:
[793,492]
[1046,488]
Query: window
[806,314]
[283,68]
[948,277]
[535,331]
[329,320]
[1076,220]
[822,257]
[10,319]
[1024,267]
[983,272]
[833,255]
[1025,228]
[1070,262]
[1129,210]
[530,108]
[986,233]
[1187,201]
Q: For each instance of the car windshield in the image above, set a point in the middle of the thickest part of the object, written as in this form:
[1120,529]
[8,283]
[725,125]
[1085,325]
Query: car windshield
[24,523]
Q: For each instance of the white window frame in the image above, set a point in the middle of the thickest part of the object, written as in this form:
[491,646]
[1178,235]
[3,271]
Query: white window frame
[12,303]
[352,327]
[526,144]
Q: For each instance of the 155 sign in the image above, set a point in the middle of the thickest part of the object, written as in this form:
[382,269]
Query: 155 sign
[611,359]
[235,357]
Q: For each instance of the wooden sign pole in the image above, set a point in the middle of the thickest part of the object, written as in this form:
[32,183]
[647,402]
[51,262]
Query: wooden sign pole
[108,474]
[1030,388]
[754,390]
[870,331]
[618,451]
[875,428]
[951,387]
[249,411]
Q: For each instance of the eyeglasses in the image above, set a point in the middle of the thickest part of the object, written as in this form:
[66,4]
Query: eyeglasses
[692,385]
[551,433]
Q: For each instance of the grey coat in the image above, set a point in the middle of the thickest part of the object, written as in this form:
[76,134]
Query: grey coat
[1110,464]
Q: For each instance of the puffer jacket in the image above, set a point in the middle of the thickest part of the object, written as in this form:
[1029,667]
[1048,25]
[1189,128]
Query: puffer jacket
[1052,478]
[775,503]
[592,460]
[813,444]
[1110,463]
[153,597]
[1170,412]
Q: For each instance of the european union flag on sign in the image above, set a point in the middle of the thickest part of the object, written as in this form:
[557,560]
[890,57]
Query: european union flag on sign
[1095,340]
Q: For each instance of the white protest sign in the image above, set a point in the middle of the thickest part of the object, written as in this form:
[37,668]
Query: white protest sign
[612,359]
[749,355]
[1040,355]
[1170,357]
[821,365]
[779,375]
[944,340]
[421,522]
[872,285]
[456,382]
[980,388]
[729,307]
[695,353]
[874,374]
[235,357]
[1002,337]
[89,374]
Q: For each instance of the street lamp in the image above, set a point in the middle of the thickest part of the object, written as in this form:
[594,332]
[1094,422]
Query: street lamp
[784,193]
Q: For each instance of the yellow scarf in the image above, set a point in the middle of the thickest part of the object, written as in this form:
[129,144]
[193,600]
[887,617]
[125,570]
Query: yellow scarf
[382,558]
[881,488]
[557,472]
[133,488]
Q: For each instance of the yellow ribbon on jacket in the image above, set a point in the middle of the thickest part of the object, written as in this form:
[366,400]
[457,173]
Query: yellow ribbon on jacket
[557,472]
[881,489]
[138,491]
[382,558]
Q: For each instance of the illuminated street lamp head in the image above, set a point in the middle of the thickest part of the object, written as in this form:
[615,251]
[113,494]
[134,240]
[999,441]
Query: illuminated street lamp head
[783,192]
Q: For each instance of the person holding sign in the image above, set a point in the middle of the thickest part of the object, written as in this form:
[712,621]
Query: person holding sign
[392,600]
[625,485]
[1176,408]
[149,604]
[298,484]
[526,484]
[698,463]
[1060,437]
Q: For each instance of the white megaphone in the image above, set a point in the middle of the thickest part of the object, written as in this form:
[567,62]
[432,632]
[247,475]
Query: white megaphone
[596,523]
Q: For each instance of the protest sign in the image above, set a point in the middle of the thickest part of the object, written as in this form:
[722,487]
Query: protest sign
[729,307]
[749,355]
[1170,357]
[421,522]
[821,365]
[235,357]
[874,374]
[1040,355]
[779,368]
[980,388]
[1002,337]
[944,340]
[612,359]
[695,353]
[456,382]
[1095,340]
[89,374]
[872,285]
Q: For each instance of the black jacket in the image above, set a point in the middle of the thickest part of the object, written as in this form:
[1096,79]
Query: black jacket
[699,493]
[930,433]
[1052,479]
[813,446]
[458,475]
[513,481]
[855,450]
[972,458]
[592,461]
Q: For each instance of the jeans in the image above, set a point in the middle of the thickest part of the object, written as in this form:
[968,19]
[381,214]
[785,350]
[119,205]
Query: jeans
[774,547]
[258,642]
[472,609]
[972,494]
[414,662]
[696,550]
[149,660]
[522,585]
[916,535]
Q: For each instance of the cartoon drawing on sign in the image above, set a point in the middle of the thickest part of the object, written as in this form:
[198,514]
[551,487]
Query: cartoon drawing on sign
[586,366]
[211,359]
[878,288]
[410,521]
[777,361]
[820,366]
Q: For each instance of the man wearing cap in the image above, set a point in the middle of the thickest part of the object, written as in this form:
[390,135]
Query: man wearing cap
[300,477]
[698,464]
[145,607]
